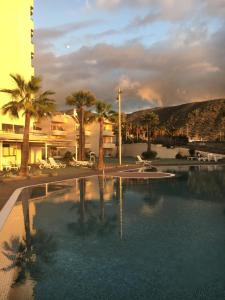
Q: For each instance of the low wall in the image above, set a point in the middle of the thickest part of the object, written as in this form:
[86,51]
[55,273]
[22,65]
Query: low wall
[162,152]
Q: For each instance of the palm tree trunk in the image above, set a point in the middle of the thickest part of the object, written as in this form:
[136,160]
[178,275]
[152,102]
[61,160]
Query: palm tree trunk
[25,147]
[149,139]
[81,129]
[83,136]
[101,154]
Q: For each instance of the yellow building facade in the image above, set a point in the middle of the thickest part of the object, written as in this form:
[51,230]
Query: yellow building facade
[16,53]
[48,137]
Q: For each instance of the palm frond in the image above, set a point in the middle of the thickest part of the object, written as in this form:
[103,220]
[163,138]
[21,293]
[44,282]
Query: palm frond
[11,108]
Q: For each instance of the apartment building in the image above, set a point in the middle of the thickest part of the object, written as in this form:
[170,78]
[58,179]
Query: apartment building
[92,138]
[48,137]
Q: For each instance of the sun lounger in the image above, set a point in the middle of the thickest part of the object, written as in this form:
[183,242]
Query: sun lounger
[55,164]
[143,162]
[43,164]
[81,163]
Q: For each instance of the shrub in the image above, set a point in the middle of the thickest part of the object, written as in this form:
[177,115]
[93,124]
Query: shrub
[192,152]
[68,156]
[149,154]
[179,156]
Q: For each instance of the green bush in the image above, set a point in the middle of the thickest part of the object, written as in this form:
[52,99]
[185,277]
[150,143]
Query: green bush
[192,152]
[179,156]
[67,156]
[149,154]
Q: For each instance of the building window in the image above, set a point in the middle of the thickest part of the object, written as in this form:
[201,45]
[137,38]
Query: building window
[31,11]
[7,127]
[8,151]
[36,127]
[18,128]
[57,127]
[32,34]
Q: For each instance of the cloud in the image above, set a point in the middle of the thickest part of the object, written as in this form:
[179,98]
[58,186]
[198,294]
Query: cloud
[163,74]
[44,37]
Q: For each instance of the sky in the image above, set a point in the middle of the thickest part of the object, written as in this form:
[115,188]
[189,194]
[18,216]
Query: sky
[160,52]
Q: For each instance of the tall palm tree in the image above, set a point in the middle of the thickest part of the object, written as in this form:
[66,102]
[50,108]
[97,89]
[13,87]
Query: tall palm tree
[81,100]
[151,120]
[115,119]
[26,98]
[103,112]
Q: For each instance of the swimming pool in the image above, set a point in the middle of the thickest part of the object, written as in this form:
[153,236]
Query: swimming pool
[113,238]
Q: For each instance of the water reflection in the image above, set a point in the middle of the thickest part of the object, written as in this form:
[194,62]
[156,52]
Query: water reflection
[27,255]
[66,226]
[92,217]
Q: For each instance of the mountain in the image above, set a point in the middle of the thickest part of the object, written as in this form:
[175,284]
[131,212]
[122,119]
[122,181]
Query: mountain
[204,119]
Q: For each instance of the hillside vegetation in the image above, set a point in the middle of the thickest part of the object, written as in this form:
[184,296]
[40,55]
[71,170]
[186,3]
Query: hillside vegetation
[203,120]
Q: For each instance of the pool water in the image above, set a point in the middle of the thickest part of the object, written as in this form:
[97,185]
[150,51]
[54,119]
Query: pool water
[112,238]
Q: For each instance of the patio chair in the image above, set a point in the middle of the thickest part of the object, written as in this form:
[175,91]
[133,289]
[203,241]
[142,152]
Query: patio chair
[142,161]
[201,157]
[62,165]
[11,167]
[81,163]
[55,164]
[43,164]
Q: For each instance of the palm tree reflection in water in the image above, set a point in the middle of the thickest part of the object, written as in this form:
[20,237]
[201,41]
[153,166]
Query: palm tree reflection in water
[91,221]
[29,255]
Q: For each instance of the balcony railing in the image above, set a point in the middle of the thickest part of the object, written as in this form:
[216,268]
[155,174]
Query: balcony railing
[108,133]
[58,132]
[109,145]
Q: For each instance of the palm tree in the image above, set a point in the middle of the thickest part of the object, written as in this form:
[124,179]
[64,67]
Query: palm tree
[26,98]
[151,120]
[103,112]
[81,100]
[115,120]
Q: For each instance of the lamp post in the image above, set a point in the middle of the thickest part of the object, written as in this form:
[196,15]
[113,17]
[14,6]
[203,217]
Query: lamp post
[75,118]
[119,123]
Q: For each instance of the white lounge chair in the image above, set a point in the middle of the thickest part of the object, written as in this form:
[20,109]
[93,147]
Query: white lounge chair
[82,163]
[142,161]
[44,164]
[55,164]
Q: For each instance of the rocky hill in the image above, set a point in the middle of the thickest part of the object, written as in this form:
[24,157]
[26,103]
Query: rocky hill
[204,119]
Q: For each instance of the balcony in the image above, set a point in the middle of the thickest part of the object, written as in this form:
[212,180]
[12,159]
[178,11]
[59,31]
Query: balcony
[109,145]
[87,132]
[18,136]
[108,133]
[58,132]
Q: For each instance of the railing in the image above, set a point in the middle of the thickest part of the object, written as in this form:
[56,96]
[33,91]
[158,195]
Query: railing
[108,133]
[109,145]
[58,132]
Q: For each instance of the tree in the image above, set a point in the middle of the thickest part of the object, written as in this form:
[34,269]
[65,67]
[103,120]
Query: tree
[151,120]
[103,112]
[26,98]
[115,119]
[81,100]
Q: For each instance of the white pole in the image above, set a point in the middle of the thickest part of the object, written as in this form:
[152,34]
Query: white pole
[46,151]
[120,137]
[121,207]
[75,117]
